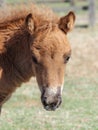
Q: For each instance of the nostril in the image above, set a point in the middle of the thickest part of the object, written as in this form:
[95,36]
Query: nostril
[45,98]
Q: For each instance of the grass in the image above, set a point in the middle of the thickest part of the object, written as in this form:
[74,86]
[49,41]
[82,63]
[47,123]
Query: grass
[78,111]
[15,1]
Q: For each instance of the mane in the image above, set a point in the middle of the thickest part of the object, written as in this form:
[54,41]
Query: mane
[14,13]
[12,18]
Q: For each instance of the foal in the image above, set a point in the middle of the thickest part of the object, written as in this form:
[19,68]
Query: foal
[33,42]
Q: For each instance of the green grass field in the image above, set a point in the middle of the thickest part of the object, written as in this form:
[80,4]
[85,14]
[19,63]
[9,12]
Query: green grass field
[79,110]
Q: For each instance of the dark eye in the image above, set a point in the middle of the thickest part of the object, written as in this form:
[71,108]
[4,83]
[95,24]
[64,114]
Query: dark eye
[34,59]
[66,59]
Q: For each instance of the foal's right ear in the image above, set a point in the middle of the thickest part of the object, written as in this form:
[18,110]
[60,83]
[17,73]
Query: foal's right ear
[30,23]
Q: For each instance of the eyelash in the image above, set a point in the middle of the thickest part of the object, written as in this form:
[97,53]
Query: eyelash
[66,59]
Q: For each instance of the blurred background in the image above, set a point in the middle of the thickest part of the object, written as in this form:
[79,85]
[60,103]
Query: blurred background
[79,110]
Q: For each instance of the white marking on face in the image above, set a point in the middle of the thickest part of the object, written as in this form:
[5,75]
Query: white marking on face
[52,90]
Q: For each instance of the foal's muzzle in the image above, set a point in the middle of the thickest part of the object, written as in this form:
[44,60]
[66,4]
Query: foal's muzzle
[51,105]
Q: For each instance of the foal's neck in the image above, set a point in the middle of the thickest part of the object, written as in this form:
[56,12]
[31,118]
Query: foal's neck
[17,59]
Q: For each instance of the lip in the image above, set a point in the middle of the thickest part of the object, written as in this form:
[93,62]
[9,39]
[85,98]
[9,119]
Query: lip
[49,108]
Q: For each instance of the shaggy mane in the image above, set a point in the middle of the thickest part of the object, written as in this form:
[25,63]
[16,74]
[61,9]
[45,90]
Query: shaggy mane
[11,14]
[12,19]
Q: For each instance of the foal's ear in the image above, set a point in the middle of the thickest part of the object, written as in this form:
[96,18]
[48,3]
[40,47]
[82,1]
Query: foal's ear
[66,23]
[30,23]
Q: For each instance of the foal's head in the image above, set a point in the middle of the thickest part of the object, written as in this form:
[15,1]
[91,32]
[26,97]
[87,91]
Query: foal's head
[50,53]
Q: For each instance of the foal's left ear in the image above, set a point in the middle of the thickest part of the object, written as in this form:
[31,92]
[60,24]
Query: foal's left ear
[30,23]
[66,23]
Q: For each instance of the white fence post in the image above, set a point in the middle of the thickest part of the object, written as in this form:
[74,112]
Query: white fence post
[91,13]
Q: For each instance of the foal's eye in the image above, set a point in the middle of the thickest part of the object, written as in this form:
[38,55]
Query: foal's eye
[66,59]
[34,59]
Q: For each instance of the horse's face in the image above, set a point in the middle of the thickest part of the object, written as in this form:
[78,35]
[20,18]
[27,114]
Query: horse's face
[50,53]
[49,59]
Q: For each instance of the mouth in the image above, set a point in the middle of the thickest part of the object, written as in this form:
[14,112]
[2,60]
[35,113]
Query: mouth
[48,108]
[51,106]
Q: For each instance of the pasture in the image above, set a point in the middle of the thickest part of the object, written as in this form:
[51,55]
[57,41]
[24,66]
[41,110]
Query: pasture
[79,109]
